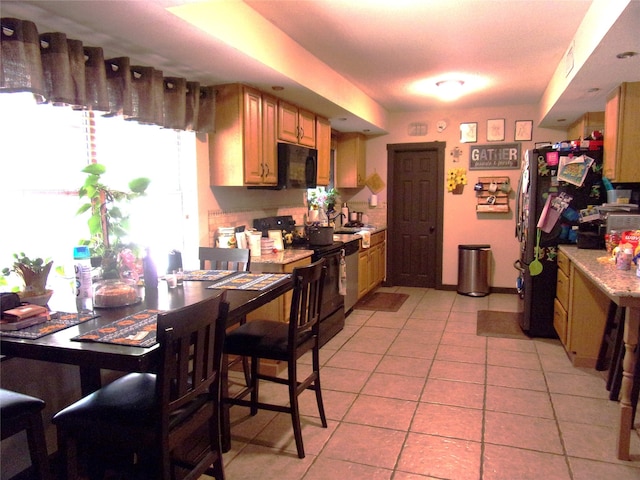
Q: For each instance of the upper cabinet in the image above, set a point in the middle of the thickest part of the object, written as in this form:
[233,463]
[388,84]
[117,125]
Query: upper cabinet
[243,149]
[585,125]
[351,164]
[296,125]
[622,134]
[323,144]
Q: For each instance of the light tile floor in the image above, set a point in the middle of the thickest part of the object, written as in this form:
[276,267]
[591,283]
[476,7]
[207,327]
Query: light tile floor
[417,394]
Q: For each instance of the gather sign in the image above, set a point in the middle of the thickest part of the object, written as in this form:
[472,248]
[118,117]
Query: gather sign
[494,157]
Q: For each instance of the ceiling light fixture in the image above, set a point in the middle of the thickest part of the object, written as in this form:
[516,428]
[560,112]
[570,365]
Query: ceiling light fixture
[277,88]
[449,89]
[624,55]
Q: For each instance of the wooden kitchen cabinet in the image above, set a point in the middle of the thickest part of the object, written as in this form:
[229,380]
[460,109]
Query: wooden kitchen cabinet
[585,125]
[296,125]
[279,308]
[580,314]
[323,144]
[622,133]
[371,264]
[243,149]
[351,163]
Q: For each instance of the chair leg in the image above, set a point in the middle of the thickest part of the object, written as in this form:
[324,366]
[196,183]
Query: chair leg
[318,389]
[295,410]
[38,446]
[255,383]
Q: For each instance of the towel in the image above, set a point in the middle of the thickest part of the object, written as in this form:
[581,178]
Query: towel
[366,238]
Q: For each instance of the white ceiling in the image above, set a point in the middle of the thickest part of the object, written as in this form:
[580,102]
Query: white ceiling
[377,46]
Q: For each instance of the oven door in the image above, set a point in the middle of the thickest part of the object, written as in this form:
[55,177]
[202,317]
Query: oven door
[332,313]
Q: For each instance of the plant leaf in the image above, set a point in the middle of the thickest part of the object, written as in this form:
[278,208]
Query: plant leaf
[83,208]
[139,185]
[94,169]
[95,224]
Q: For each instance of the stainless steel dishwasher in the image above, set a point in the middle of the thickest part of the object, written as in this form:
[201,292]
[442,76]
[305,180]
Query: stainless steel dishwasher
[351,249]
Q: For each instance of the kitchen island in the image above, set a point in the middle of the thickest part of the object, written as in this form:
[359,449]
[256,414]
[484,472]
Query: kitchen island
[622,287]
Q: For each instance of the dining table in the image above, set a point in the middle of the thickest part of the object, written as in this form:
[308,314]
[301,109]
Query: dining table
[65,345]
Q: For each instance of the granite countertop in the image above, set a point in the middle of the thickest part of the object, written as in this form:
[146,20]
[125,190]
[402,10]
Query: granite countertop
[288,255]
[600,268]
[353,233]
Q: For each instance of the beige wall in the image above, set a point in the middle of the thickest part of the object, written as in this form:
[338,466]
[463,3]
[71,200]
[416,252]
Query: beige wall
[462,225]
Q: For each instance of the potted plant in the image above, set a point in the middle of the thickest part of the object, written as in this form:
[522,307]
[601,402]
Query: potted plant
[108,224]
[34,274]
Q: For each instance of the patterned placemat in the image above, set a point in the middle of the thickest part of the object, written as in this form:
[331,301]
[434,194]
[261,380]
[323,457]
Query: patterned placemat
[137,330]
[61,321]
[251,281]
[207,275]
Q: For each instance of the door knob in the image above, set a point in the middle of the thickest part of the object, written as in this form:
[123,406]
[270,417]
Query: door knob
[432,229]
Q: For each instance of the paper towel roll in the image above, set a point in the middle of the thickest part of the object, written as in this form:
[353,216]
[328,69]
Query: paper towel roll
[373,201]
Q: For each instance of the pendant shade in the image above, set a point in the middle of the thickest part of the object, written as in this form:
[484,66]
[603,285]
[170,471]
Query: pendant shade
[20,61]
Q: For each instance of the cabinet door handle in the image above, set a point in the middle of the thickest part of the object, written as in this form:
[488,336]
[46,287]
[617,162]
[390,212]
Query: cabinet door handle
[300,132]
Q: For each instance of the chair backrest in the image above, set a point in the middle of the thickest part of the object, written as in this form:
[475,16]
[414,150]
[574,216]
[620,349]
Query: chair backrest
[191,340]
[238,259]
[306,302]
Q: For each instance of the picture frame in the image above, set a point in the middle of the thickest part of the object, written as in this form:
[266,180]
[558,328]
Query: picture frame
[276,236]
[495,130]
[523,130]
[469,132]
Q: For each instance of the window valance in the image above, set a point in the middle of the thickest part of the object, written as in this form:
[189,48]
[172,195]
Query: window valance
[63,71]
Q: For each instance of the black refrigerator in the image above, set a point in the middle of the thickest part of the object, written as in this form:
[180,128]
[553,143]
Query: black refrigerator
[555,187]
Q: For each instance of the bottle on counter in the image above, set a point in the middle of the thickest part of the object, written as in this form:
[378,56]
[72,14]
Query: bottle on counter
[149,271]
[82,270]
[345,213]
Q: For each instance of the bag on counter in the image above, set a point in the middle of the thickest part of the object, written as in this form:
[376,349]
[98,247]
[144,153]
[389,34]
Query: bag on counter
[8,300]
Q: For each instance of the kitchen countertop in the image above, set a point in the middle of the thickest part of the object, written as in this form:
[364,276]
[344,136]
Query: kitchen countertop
[353,235]
[599,268]
[288,255]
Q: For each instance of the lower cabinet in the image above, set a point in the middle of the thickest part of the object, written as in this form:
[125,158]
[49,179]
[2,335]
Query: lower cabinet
[372,264]
[279,308]
[580,314]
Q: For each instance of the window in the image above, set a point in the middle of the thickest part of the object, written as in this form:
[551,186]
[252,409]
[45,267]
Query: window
[44,149]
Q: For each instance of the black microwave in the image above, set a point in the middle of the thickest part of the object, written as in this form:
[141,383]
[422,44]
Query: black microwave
[297,166]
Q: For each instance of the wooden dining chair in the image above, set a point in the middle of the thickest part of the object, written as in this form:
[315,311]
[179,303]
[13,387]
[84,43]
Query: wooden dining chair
[237,259]
[168,422]
[19,412]
[285,342]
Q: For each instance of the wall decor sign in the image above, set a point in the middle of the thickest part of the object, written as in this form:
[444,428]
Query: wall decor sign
[468,132]
[523,130]
[495,130]
[505,156]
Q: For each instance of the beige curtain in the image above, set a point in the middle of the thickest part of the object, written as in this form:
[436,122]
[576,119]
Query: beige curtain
[63,71]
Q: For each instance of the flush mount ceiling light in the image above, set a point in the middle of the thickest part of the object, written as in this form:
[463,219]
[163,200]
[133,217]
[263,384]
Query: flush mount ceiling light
[449,89]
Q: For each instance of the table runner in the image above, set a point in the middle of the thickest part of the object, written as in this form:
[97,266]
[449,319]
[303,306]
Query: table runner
[60,322]
[207,275]
[136,330]
[250,281]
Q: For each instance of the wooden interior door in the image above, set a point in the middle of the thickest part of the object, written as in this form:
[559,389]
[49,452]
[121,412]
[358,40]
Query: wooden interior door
[415,214]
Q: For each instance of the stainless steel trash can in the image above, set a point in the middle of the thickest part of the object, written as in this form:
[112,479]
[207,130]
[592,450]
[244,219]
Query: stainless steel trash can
[473,270]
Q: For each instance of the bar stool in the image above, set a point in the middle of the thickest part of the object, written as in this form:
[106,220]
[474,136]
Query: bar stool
[20,412]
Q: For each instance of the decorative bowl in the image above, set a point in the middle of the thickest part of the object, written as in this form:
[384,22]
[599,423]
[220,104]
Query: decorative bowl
[41,300]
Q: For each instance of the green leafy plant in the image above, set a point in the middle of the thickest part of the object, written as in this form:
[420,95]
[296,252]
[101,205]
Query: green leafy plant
[33,272]
[321,198]
[108,223]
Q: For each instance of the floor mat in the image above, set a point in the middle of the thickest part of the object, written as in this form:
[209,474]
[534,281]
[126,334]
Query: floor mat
[500,324]
[384,302]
